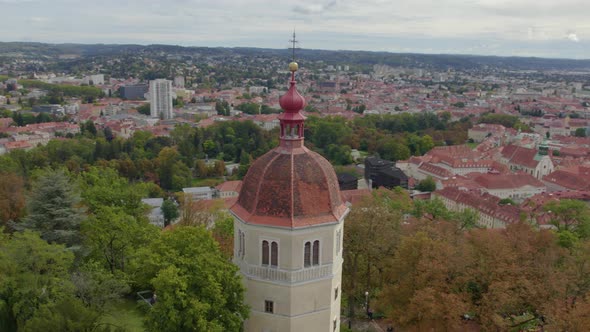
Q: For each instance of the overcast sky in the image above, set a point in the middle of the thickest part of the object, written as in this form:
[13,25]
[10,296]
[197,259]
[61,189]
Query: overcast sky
[545,28]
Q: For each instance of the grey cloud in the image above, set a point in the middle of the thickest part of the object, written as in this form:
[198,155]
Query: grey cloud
[315,8]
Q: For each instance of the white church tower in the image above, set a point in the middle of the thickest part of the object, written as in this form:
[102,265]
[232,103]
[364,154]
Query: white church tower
[288,232]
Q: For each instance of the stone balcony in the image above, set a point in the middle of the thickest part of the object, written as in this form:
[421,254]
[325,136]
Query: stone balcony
[286,276]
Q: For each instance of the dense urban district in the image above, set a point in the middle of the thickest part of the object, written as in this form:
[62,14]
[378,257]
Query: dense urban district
[468,180]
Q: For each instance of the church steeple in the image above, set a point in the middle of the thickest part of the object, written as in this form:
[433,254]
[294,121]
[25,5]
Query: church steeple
[289,220]
[291,119]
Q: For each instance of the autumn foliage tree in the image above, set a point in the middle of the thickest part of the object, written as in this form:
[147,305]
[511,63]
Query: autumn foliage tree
[511,279]
[372,233]
[12,197]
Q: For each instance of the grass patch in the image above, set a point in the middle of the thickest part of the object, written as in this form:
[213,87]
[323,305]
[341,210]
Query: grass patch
[126,315]
[472,145]
[208,182]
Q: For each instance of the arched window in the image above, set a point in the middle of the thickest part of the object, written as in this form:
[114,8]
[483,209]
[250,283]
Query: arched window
[265,252]
[274,254]
[307,254]
[316,252]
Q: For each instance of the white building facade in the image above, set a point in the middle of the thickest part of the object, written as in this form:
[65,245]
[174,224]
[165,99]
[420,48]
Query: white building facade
[160,96]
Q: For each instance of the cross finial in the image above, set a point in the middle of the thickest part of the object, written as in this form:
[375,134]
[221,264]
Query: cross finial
[294,41]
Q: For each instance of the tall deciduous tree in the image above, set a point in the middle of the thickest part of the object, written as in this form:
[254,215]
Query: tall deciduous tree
[112,236]
[570,217]
[371,233]
[36,293]
[173,173]
[198,289]
[102,186]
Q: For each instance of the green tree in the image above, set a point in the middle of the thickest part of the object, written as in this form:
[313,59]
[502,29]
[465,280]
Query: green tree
[580,132]
[53,208]
[506,201]
[170,211]
[97,287]
[103,187]
[183,137]
[218,168]
[173,173]
[144,109]
[571,218]
[198,288]
[466,219]
[427,184]
[245,162]
[112,236]
[434,207]
[89,129]
[201,168]
[36,293]
[222,107]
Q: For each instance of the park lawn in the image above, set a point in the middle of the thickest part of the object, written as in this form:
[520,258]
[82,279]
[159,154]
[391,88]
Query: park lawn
[125,314]
[208,182]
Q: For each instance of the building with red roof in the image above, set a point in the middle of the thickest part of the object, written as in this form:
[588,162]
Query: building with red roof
[229,189]
[528,160]
[517,186]
[490,213]
[571,178]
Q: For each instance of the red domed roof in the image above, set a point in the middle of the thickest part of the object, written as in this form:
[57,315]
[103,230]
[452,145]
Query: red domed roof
[292,101]
[290,187]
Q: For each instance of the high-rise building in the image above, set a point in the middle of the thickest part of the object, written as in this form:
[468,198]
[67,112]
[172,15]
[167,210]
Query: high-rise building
[288,229]
[161,99]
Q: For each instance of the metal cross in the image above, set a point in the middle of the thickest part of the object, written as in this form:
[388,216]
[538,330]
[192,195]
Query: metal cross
[294,41]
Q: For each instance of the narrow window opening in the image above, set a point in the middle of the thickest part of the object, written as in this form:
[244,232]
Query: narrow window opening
[265,249]
[274,254]
[307,255]
[316,252]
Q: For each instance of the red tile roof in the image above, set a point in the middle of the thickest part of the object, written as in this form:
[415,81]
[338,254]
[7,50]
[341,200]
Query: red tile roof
[230,186]
[506,181]
[519,155]
[290,187]
[569,180]
[482,202]
[435,170]
[355,196]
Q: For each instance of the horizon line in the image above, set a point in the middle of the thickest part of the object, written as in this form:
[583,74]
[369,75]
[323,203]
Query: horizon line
[301,49]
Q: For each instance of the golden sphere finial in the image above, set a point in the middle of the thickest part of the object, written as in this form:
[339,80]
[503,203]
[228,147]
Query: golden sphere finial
[293,66]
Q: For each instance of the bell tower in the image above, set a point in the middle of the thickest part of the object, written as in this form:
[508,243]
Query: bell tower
[288,231]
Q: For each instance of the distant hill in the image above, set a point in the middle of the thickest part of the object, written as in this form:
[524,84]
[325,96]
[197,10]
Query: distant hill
[437,61]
